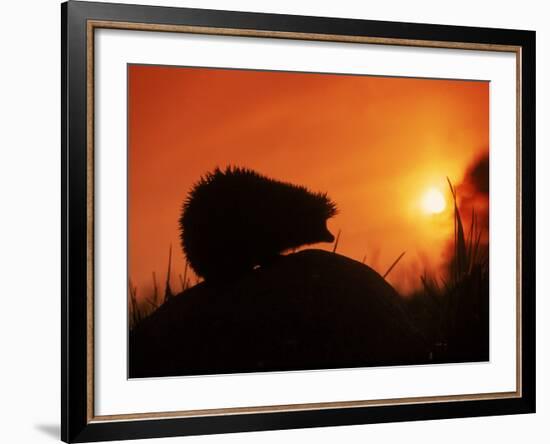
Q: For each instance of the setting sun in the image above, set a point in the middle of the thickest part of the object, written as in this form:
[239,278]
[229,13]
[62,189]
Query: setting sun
[433,201]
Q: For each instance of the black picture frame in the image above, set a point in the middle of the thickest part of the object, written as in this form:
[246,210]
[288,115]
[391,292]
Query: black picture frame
[77,425]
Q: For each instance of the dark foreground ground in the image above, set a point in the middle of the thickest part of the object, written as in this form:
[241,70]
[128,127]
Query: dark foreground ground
[308,310]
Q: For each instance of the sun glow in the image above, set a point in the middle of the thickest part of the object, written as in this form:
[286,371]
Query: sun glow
[433,201]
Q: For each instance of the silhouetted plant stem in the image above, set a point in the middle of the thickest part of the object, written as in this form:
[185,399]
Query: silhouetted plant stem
[167,290]
[336,241]
[394,264]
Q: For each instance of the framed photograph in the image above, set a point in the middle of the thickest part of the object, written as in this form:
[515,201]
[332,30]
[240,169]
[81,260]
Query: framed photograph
[275,221]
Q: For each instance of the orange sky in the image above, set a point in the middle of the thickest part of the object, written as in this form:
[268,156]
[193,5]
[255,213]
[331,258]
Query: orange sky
[375,144]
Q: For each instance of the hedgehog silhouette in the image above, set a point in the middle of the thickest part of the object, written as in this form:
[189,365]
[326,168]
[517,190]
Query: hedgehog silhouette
[236,219]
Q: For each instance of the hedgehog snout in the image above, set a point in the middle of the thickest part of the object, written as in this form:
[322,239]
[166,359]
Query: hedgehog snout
[327,236]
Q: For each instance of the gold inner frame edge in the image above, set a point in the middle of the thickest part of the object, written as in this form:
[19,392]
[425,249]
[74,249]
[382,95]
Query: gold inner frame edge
[90,31]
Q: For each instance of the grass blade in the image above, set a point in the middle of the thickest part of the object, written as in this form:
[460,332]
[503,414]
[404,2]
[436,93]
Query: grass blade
[394,264]
[336,241]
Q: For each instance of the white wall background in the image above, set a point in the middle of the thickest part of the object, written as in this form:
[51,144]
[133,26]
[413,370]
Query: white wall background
[30,208]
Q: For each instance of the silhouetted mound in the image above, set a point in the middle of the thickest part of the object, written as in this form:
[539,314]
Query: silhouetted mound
[308,310]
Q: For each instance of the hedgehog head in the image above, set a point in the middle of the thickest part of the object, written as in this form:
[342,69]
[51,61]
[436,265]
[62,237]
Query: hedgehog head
[309,220]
